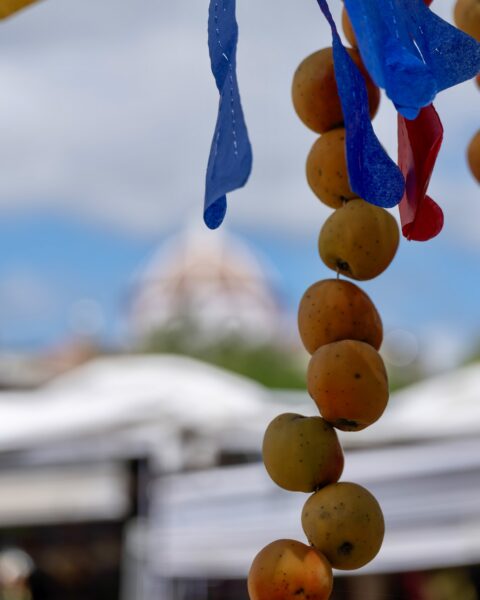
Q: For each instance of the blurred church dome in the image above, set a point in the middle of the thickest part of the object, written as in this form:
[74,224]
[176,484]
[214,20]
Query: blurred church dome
[211,280]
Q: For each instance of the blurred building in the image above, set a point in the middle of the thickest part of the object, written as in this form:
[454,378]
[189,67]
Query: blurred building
[212,285]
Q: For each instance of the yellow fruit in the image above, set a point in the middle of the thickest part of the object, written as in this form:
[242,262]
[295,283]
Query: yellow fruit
[302,454]
[327,172]
[348,29]
[9,7]
[289,570]
[473,154]
[349,384]
[359,240]
[334,309]
[467,17]
[344,522]
[315,94]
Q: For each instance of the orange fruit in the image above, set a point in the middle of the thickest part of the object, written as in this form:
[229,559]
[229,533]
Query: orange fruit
[348,382]
[315,94]
[334,309]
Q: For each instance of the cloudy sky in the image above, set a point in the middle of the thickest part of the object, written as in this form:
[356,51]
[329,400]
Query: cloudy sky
[106,115]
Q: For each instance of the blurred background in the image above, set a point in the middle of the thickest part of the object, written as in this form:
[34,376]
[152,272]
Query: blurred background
[142,356]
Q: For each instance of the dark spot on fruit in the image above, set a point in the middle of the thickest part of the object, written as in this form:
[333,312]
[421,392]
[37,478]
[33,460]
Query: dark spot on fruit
[298,592]
[357,376]
[345,549]
[342,265]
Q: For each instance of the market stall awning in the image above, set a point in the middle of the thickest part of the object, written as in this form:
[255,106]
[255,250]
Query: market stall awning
[213,523]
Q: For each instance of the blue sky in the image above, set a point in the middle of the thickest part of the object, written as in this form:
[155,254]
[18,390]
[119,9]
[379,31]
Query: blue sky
[106,118]
[51,265]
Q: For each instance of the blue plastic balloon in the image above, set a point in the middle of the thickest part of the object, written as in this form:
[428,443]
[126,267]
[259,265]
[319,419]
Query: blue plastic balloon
[411,52]
[230,160]
[372,173]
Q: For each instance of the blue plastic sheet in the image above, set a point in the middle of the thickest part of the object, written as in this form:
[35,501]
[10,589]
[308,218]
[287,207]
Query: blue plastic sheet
[230,160]
[372,173]
[411,52]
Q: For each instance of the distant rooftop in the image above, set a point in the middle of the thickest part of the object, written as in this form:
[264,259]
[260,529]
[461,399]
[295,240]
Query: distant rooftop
[214,280]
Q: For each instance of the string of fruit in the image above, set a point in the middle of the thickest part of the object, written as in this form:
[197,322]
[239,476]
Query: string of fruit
[342,330]
[467,18]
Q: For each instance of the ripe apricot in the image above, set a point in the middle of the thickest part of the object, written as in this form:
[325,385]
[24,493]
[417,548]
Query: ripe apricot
[289,570]
[466,15]
[345,522]
[473,154]
[359,240]
[348,29]
[302,454]
[334,309]
[315,94]
[327,172]
[348,383]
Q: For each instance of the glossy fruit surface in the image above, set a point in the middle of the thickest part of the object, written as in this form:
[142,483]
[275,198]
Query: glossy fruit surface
[359,240]
[345,522]
[326,169]
[315,94]
[302,454]
[334,309]
[349,384]
[289,570]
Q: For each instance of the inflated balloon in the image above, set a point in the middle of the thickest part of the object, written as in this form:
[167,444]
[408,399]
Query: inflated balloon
[230,160]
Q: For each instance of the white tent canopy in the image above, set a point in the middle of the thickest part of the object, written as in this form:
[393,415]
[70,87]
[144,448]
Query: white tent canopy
[128,392]
[213,524]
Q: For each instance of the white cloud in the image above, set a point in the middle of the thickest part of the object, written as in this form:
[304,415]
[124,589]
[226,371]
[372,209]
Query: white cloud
[109,113]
